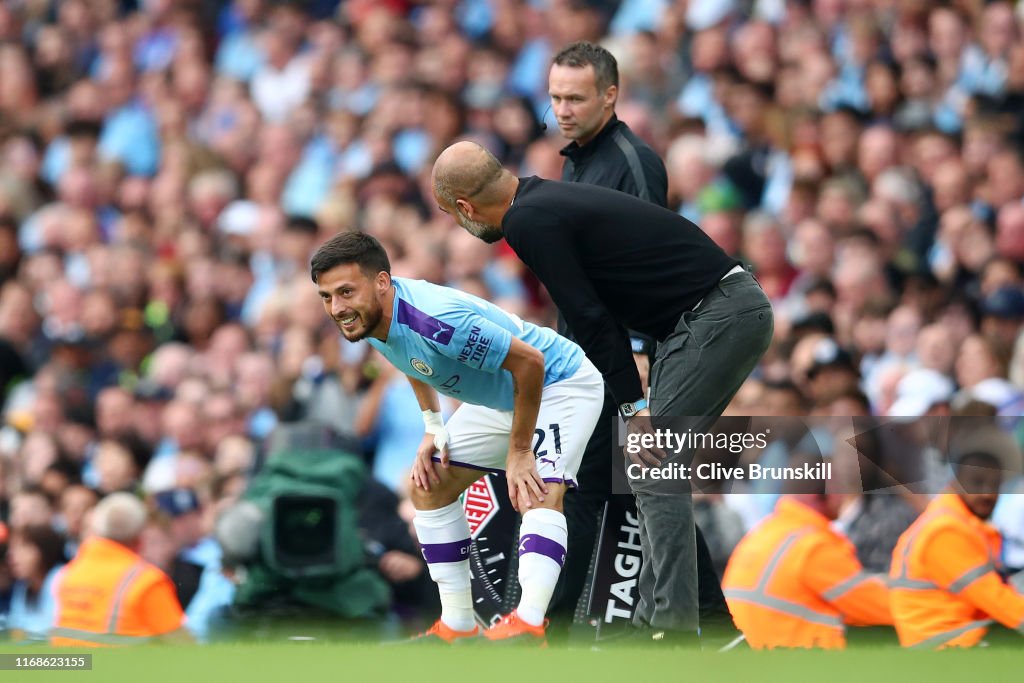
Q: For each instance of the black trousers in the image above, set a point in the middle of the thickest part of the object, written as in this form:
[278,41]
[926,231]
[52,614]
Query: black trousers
[583,507]
[697,371]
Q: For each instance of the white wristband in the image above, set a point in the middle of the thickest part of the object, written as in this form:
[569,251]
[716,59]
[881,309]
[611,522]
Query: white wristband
[434,424]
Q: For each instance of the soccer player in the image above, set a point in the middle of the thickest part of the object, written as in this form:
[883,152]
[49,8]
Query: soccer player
[517,383]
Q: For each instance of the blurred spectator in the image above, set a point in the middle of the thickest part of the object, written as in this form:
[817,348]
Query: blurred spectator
[948,561]
[76,503]
[106,577]
[30,506]
[36,554]
[794,582]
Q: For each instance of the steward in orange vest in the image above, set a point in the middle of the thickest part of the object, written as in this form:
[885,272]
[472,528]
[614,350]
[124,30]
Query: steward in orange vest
[946,589]
[108,595]
[795,582]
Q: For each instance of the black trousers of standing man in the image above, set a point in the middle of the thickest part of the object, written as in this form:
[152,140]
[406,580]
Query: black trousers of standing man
[697,371]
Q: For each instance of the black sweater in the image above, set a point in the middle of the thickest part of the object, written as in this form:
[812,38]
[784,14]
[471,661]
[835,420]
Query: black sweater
[618,159]
[611,261]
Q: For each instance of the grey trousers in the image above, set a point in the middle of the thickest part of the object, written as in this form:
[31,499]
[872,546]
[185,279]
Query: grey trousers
[697,371]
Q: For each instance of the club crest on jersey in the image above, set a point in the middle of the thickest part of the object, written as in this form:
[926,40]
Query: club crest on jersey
[421,367]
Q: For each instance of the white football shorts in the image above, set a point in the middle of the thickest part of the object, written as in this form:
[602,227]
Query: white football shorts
[569,410]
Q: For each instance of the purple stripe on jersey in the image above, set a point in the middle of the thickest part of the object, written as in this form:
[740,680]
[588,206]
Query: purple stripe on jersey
[423,324]
[456,551]
[535,543]
[561,480]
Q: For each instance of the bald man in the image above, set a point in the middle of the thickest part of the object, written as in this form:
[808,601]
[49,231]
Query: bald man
[612,261]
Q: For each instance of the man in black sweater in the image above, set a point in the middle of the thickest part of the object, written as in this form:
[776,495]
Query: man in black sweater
[583,84]
[612,261]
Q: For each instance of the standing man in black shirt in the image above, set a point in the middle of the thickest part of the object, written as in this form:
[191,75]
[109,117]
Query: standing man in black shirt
[583,84]
[612,261]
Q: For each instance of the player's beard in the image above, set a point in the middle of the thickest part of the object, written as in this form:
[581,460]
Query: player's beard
[488,233]
[369,318]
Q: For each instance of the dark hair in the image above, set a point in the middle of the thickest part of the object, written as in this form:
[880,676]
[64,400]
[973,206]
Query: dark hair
[350,247]
[48,542]
[36,490]
[821,285]
[582,53]
[763,89]
[851,394]
[302,224]
[978,458]
[786,386]
[82,128]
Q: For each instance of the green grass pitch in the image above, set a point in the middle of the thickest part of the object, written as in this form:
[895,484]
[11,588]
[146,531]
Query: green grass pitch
[298,662]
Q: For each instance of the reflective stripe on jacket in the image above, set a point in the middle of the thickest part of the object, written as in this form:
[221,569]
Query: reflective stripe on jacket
[794,582]
[946,589]
[109,596]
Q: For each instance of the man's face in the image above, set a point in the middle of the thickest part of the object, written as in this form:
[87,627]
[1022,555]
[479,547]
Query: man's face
[978,483]
[353,300]
[580,108]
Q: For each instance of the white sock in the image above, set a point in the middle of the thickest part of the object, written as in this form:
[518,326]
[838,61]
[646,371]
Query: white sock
[444,537]
[542,541]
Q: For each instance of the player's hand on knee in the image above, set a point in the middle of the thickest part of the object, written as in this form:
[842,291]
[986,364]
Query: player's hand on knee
[423,472]
[526,489]
[637,427]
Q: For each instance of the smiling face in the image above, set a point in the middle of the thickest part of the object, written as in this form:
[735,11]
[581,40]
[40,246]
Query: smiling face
[355,301]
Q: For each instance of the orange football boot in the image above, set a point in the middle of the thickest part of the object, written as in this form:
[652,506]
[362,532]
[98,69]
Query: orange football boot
[513,629]
[441,631]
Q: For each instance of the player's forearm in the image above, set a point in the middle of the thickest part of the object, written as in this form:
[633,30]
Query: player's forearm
[425,395]
[528,383]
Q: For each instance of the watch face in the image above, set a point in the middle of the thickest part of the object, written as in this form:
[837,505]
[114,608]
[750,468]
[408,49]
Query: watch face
[628,409]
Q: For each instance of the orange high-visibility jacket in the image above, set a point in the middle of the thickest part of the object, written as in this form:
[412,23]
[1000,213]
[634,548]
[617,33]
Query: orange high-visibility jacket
[108,595]
[944,583]
[794,582]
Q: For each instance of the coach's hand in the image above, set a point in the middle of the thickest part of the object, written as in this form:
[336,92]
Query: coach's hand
[423,468]
[525,487]
[636,427]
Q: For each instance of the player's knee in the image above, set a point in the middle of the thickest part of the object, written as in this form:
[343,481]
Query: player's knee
[437,497]
[553,499]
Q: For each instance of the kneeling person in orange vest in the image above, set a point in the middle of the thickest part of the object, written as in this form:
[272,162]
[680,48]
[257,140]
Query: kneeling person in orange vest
[946,587]
[108,595]
[794,582]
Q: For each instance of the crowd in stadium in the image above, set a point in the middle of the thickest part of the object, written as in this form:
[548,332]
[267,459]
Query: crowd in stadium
[167,168]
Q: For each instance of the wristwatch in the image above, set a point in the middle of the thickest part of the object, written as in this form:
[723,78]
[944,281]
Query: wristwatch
[631,409]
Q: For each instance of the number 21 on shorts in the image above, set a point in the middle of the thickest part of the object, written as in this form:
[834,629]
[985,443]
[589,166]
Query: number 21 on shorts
[540,434]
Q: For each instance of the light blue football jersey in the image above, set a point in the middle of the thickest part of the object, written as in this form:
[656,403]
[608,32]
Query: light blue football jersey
[456,343]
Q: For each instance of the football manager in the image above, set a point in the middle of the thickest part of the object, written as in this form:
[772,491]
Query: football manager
[612,261]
